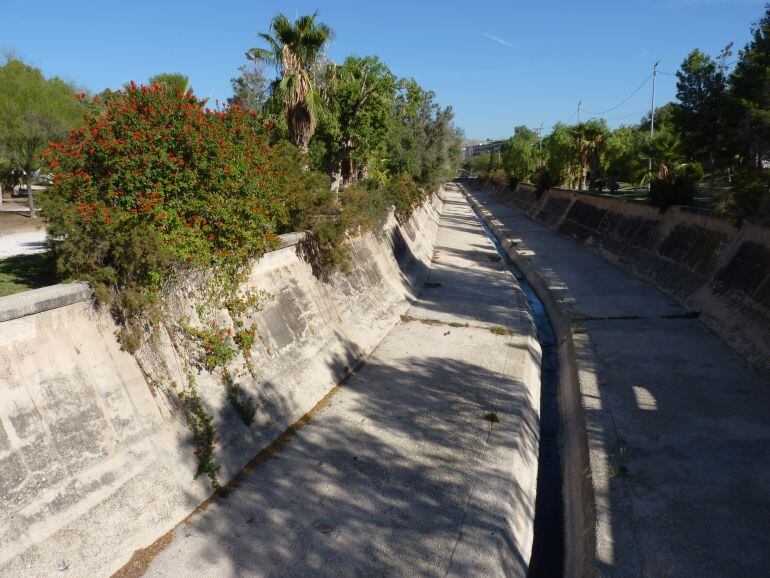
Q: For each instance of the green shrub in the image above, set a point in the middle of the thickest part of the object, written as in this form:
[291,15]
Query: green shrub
[498,178]
[403,193]
[751,192]
[676,189]
[544,180]
[154,183]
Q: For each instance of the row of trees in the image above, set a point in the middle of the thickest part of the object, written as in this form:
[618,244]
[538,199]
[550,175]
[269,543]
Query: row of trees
[353,120]
[719,126]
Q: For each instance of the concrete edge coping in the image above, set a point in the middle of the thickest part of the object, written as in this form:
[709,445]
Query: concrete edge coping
[42,299]
[578,498]
[55,296]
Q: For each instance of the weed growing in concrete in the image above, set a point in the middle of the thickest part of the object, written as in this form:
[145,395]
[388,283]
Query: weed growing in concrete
[500,330]
[242,403]
[491,417]
[204,434]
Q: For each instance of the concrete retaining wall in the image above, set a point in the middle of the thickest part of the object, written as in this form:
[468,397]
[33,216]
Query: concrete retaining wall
[96,462]
[708,263]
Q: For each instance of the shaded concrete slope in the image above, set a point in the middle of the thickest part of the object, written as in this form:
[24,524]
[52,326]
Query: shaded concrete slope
[96,462]
[404,472]
[711,264]
[676,425]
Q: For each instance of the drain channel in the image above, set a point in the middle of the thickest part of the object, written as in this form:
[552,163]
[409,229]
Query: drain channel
[547,560]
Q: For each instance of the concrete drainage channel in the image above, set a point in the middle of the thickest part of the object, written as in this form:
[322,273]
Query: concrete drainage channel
[547,559]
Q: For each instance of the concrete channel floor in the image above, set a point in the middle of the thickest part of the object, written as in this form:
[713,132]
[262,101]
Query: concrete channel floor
[690,491]
[401,474]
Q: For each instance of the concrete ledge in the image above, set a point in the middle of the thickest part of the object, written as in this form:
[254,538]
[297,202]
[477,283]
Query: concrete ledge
[47,298]
[579,500]
[43,299]
[96,461]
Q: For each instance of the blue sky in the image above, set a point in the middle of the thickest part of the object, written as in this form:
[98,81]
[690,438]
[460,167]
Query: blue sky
[498,63]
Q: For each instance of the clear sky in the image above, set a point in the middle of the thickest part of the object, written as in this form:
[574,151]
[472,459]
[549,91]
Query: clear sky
[498,63]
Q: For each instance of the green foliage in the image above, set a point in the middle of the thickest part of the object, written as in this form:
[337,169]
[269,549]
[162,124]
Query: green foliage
[751,193]
[699,113]
[153,184]
[249,88]
[562,159]
[478,165]
[294,48]
[35,111]
[204,434]
[678,188]
[424,143]
[243,404]
[173,82]
[521,155]
[544,180]
[403,193]
[357,125]
[750,88]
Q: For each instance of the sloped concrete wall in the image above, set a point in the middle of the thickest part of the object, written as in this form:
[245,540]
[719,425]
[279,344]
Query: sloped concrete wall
[711,264]
[96,462]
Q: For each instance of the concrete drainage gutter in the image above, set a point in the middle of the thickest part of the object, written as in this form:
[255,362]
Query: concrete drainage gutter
[578,489]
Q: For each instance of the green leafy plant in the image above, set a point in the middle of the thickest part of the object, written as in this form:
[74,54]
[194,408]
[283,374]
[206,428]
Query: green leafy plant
[154,184]
[204,434]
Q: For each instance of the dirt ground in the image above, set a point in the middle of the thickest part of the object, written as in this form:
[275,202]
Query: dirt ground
[18,223]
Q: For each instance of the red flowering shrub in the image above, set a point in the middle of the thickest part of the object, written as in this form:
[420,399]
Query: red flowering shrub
[153,183]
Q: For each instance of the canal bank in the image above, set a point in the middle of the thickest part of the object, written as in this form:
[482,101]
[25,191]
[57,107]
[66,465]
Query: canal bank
[675,436]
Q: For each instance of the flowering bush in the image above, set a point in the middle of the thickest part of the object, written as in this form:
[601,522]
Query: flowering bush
[153,183]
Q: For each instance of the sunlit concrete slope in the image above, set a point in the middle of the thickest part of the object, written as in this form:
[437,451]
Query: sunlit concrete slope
[676,422]
[423,463]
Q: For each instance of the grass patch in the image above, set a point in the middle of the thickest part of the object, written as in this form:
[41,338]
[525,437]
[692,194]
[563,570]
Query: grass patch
[25,272]
[500,331]
[456,324]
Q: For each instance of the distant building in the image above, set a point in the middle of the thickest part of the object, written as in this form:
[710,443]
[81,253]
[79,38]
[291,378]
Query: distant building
[475,148]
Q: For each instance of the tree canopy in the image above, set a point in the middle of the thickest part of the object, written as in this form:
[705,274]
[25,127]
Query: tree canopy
[36,110]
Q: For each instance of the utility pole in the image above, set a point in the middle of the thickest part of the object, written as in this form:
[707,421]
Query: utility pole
[652,112]
[540,145]
[578,110]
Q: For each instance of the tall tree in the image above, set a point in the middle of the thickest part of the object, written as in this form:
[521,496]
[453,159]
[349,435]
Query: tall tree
[561,155]
[35,110]
[520,153]
[361,99]
[750,85]
[589,142]
[699,114]
[424,143]
[250,87]
[293,49]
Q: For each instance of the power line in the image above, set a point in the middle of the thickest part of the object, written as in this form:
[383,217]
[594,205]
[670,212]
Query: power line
[624,101]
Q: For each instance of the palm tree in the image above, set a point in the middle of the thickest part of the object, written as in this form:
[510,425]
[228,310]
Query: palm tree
[589,142]
[293,49]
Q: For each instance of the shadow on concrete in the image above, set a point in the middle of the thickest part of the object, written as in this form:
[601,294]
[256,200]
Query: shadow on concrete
[379,483]
[373,488]
[679,421]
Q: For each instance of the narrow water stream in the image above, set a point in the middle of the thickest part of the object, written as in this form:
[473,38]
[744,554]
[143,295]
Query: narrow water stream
[547,560]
